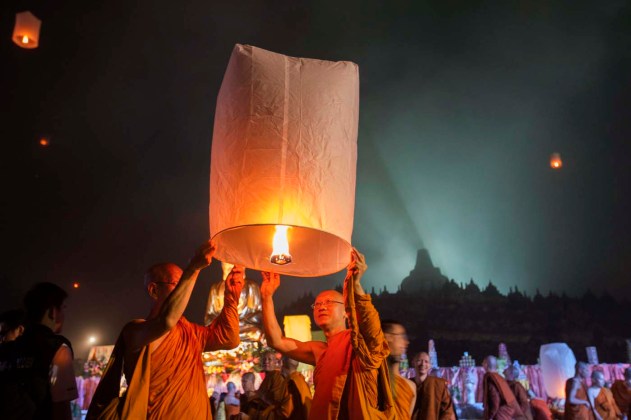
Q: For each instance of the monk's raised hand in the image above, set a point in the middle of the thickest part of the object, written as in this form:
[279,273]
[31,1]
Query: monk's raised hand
[357,267]
[235,280]
[203,257]
[271,282]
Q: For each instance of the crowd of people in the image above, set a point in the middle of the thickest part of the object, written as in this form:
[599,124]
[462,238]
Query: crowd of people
[356,369]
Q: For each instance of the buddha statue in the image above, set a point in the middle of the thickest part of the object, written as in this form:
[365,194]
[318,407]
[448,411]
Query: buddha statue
[249,306]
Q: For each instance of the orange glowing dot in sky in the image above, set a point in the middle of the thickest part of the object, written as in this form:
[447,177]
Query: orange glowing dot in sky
[75,285]
[555,161]
[25,39]
[44,142]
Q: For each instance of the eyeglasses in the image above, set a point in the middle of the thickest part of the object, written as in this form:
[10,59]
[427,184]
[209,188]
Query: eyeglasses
[166,282]
[327,302]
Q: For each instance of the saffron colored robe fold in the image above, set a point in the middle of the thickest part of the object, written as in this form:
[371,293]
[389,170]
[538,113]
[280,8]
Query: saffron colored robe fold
[299,402]
[606,406]
[521,395]
[177,388]
[273,391]
[622,396]
[433,401]
[499,401]
[351,376]
[403,396]
[575,411]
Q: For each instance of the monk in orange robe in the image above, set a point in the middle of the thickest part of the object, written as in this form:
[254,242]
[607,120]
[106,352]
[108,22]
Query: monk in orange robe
[602,400]
[172,374]
[511,374]
[433,400]
[621,391]
[272,392]
[403,390]
[298,391]
[577,405]
[351,373]
[499,401]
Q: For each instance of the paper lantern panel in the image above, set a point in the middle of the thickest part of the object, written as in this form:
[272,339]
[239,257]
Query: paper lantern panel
[284,153]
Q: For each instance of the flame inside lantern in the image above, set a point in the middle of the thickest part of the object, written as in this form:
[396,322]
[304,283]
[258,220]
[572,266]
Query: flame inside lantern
[25,39]
[280,246]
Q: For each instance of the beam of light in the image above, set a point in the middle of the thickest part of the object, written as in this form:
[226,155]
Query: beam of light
[280,246]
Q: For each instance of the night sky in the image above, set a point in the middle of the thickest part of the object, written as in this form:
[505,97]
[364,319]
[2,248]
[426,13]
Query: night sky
[462,104]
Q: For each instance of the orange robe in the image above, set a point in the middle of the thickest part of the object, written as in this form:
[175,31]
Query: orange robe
[521,395]
[433,400]
[299,397]
[177,387]
[606,406]
[351,376]
[499,401]
[540,410]
[403,396]
[574,411]
[622,395]
[273,391]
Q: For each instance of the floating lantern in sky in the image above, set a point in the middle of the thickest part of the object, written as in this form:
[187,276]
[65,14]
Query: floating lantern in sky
[26,30]
[44,142]
[75,285]
[283,163]
[555,161]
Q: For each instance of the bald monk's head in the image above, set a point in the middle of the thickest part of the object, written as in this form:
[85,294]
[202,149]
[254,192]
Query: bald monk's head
[289,366]
[598,379]
[270,361]
[328,310]
[160,280]
[511,373]
[582,370]
[490,364]
[422,365]
[396,336]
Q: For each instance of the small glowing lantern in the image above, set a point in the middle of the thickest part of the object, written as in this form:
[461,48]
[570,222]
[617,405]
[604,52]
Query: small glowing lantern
[298,327]
[555,161]
[75,285]
[283,163]
[26,30]
[44,142]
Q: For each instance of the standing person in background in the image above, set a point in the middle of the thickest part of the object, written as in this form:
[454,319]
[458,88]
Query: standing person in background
[601,399]
[11,325]
[298,392]
[36,374]
[433,401]
[499,401]
[403,390]
[577,405]
[621,390]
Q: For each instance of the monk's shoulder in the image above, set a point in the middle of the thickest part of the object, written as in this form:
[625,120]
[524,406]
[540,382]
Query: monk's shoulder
[410,384]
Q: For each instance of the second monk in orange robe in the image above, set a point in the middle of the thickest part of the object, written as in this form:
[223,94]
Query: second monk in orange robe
[351,374]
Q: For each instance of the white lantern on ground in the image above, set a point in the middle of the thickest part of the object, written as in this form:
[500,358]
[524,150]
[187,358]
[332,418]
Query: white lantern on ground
[557,366]
[283,163]
[26,30]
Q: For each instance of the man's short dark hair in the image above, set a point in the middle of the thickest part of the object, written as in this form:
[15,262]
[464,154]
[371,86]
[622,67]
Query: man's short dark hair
[388,324]
[41,298]
[13,319]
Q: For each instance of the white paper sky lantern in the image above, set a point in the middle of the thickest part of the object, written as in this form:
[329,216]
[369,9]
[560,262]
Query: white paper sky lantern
[557,366]
[26,30]
[284,153]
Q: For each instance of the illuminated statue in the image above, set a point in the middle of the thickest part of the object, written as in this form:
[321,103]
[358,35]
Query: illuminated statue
[249,306]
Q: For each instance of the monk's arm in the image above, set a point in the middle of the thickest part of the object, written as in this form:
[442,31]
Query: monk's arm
[223,332]
[297,350]
[572,397]
[139,334]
